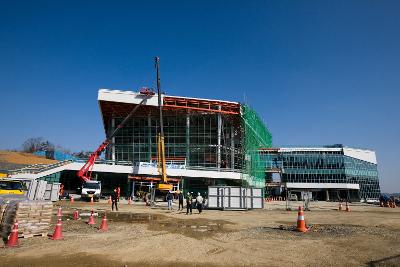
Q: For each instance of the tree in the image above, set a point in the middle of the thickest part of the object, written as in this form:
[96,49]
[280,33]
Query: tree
[35,144]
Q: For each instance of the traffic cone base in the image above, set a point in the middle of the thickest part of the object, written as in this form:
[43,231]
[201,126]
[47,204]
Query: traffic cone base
[57,235]
[13,238]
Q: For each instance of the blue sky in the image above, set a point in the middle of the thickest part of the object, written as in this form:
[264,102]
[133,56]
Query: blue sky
[318,72]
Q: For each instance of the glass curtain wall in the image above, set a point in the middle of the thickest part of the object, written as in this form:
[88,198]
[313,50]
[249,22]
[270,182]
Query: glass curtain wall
[325,167]
[190,136]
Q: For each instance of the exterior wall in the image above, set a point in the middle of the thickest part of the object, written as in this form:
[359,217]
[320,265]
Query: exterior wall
[330,165]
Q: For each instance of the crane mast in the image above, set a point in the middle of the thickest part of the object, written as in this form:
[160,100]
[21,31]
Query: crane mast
[161,163]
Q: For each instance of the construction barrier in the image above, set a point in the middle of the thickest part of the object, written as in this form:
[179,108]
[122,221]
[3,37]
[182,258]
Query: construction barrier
[301,224]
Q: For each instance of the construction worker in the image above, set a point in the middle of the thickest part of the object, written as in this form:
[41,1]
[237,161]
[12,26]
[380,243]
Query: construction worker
[180,199]
[61,191]
[118,192]
[114,199]
[170,197]
[188,203]
[199,202]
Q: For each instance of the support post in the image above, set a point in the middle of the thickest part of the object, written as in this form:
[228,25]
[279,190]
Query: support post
[149,134]
[232,149]
[219,139]
[187,139]
[113,142]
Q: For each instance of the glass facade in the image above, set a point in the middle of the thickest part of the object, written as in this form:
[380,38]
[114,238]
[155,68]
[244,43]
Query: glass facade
[324,166]
[209,140]
[193,137]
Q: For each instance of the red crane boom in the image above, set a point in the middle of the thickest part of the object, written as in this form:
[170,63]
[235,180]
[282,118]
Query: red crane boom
[85,173]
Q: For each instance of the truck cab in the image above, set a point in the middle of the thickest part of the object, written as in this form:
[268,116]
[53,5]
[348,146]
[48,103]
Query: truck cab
[91,189]
[12,188]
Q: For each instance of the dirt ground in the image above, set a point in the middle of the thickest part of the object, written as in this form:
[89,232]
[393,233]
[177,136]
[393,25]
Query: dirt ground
[143,236]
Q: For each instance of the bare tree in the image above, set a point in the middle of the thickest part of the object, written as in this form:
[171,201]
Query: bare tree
[35,144]
[32,144]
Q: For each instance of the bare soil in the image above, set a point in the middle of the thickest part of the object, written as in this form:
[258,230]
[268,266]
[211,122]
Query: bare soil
[11,160]
[143,236]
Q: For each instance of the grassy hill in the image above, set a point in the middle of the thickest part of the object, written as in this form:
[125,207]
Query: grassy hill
[10,160]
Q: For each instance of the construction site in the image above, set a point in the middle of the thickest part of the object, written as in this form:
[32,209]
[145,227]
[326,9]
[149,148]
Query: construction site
[194,182]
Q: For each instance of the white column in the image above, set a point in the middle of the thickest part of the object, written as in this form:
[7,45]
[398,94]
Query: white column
[187,138]
[149,132]
[219,139]
[232,149]
[113,142]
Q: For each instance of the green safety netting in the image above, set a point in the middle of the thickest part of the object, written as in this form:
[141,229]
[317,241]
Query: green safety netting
[256,136]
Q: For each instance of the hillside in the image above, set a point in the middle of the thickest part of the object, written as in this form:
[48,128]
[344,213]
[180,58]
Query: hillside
[10,160]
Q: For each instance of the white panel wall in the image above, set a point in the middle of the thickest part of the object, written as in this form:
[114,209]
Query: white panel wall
[362,154]
[126,97]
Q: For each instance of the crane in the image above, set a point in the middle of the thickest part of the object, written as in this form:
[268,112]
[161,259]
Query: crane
[85,173]
[161,165]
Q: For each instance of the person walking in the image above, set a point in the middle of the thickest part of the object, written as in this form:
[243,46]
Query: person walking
[114,199]
[188,203]
[199,202]
[180,199]
[170,197]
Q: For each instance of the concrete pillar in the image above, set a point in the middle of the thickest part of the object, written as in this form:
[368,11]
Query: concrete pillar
[187,138]
[232,149]
[219,138]
[149,134]
[113,141]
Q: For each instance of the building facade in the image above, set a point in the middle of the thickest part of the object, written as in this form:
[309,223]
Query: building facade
[336,172]
[209,141]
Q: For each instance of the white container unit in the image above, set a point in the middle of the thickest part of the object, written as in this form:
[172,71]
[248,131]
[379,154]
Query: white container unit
[235,197]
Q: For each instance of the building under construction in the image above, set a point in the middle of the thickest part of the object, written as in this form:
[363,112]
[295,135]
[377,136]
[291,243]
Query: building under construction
[207,142]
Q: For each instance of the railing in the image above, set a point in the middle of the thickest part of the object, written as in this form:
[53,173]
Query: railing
[37,168]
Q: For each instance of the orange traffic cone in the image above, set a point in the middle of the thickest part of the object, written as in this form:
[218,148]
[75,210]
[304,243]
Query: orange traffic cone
[59,213]
[72,199]
[109,200]
[91,200]
[347,207]
[58,231]
[340,207]
[301,224]
[76,215]
[13,238]
[91,219]
[104,226]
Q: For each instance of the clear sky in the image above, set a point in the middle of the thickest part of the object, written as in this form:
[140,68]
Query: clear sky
[318,72]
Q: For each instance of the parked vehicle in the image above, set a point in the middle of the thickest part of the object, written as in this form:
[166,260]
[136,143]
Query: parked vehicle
[91,189]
